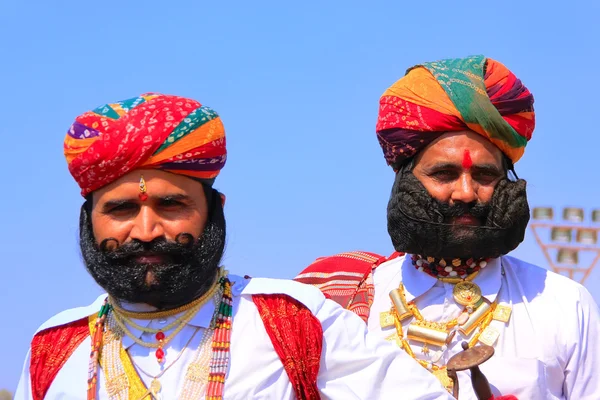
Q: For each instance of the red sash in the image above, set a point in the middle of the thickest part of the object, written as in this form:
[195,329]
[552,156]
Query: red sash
[50,350]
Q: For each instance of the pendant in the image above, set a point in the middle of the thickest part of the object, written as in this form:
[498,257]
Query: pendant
[427,332]
[397,296]
[386,319]
[502,313]
[155,387]
[466,293]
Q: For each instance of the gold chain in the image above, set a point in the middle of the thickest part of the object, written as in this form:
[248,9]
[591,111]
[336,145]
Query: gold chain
[173,362]
[403,343]
[163,343]
[168,313]
[456,280]
[144,329]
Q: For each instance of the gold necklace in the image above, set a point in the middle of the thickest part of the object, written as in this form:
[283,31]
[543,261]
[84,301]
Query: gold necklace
[117,363]
[155,385]
[161,342]
[436,333]
[168,313]
[177,321]
[454,280]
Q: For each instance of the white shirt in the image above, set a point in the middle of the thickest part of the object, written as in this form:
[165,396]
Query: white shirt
[549,348]
[353,364]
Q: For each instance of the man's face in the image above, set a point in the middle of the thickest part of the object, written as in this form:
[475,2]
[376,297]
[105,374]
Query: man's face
[151,249]
[460,168]
[175,205]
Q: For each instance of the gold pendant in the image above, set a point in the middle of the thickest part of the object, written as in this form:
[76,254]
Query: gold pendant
[502,313]
[399,302]
[427,332]
[475,318]
[155,387]
[442,376]
[386,319]
[489,336]
[466,293]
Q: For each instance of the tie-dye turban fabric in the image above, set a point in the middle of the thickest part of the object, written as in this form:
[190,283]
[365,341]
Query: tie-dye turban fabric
[170,133]
[475,93]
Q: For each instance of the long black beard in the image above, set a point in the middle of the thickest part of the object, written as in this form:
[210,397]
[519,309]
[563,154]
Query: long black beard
[189,272]
[418,223]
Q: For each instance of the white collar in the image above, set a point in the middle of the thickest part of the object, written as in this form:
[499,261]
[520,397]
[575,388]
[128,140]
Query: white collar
[201,319]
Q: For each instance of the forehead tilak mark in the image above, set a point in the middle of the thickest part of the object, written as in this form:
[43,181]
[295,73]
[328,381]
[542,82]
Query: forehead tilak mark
[467,162]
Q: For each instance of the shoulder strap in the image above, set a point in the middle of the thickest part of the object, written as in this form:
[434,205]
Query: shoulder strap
[297,337]
[50,349]
[346,278]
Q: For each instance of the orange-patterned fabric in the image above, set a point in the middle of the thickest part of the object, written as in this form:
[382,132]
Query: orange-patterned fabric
[50,349]
[297,337]
[475,93]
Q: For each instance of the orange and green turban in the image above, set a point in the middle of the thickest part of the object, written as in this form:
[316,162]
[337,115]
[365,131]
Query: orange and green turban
[475,93]
[170,133]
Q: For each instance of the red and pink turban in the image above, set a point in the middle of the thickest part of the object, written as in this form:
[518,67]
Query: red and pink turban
[170,133]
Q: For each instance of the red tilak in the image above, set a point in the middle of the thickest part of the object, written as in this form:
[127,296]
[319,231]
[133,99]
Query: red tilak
[467,162]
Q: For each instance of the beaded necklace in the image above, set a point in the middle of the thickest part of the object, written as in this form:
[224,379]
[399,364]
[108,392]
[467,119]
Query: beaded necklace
[218,362]
[155,385]
[441,268]
[122,318]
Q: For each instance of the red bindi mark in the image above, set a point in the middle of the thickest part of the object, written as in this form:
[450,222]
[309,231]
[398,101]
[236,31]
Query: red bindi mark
[467,162]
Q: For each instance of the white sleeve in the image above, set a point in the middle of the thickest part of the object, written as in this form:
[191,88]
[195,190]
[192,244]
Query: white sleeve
[24,387]
[583,363]
[355,365]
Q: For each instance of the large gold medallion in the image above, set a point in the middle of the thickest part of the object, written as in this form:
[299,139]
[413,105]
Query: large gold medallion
[466,293]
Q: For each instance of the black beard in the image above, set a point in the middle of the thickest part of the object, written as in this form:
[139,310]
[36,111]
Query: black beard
[419,224]
[188,272]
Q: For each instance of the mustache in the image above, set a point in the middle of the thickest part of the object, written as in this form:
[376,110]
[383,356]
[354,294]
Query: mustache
[477,210]
[181,247]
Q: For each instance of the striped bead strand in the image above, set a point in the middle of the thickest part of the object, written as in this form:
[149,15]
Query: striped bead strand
[221,346]
[96,343]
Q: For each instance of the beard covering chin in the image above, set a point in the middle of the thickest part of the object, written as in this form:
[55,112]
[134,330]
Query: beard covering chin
[189,271]
[418,223]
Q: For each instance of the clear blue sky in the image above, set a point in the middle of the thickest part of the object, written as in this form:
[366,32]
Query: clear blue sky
[297,86]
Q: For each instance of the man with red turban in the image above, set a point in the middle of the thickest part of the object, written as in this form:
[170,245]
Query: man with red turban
[174,324]
[452,131]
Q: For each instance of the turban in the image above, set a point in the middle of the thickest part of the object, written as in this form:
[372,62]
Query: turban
[475,93]
[156,131]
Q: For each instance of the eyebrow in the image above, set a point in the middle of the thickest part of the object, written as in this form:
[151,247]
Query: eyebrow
[477,167]
[110,204]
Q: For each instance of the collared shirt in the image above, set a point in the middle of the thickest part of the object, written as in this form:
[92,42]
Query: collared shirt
[549,347]
[354,365]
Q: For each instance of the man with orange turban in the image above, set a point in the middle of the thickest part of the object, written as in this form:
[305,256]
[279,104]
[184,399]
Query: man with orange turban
[452,130]
[174,324]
